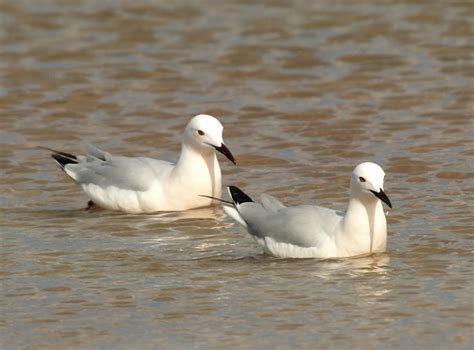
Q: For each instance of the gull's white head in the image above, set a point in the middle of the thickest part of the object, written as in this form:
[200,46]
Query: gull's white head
[204,133]
[367,183]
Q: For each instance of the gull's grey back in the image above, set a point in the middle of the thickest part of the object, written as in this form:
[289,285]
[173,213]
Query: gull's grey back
[130,173]
[305,226]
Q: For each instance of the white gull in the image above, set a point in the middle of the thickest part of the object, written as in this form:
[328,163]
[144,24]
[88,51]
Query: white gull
[310,231]
[144,185]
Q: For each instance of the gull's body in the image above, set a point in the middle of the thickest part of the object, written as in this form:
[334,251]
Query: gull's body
[310,231]
[145,185]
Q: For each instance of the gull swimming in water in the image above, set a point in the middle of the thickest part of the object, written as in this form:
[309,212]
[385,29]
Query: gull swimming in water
[145,185]
[310,231]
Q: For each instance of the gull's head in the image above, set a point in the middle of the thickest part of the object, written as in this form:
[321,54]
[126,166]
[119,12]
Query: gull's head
[204,133]
[367,183]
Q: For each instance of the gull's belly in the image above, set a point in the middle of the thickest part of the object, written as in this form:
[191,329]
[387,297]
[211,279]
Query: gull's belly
[129,201]
[288,250]
[173,198]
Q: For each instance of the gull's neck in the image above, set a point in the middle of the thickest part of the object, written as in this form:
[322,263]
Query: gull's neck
[363,225]
[197,166]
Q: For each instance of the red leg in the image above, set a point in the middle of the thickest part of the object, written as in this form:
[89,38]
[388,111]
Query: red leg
[90,205]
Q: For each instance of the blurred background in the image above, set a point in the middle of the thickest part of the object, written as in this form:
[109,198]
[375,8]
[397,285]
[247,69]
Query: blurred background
[305,91]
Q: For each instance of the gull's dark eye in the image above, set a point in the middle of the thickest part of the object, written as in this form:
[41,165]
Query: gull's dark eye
[361,179]
[200,132]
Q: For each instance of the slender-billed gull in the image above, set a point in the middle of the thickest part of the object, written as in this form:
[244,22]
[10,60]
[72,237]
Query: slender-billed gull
[144,185]
[310,231]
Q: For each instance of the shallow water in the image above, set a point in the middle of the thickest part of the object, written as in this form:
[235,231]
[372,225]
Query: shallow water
[305,92]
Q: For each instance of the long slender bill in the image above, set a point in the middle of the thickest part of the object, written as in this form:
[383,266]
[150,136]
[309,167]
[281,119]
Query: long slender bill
[382,196]
[225,151]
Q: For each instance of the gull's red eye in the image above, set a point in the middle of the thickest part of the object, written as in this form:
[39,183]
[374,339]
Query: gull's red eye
[361,179]
[200,132]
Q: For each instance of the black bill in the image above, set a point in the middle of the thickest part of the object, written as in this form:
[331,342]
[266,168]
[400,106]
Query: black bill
[382,196]
[225,151]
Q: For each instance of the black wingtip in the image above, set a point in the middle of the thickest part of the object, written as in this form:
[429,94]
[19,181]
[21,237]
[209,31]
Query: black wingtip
[238,196]
[63,158]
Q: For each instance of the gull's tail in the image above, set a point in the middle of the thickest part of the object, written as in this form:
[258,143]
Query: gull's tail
[63,158]
[238,197]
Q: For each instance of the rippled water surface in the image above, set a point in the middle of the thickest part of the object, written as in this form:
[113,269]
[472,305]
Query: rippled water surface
[305,90]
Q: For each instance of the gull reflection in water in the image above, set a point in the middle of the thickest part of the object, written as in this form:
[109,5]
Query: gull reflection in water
[200,226]
[369,275]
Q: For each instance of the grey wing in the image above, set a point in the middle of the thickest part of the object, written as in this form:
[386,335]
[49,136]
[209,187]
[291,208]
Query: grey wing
[94,152]
[103,169]
[304,226]
[270,203]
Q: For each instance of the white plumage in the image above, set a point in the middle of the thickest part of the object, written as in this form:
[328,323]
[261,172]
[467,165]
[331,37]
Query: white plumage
[310,231]
[144,185]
